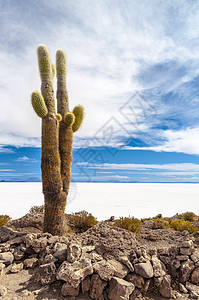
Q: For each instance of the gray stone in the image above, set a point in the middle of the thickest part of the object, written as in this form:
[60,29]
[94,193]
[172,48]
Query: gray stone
[187,244]
[16,240]
[120,289]
[182,257]
[3,291]
[4,248]
[61,253]
[195,255]
[47,273]
[18,254]
[185,270]
[137,280]
[175,263]
[165,259]
[186,251]
[86,283]
[195,276]
[74,272]
[49,258]
[74,252]
[120,270]
[192,287]
[16,268]
[30,262]
[159,269]
[104,269]
[6,258]
[144,269]
[127,263]
[165,288]
[97,286]
[182,288]
[68,290]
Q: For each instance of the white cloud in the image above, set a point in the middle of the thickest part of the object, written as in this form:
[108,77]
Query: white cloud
[185,167]
[108,45]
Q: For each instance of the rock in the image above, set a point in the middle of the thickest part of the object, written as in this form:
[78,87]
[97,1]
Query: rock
[29,239]
[49,258]
[47,273]
[137,280]
[120,289]
[16,268]
[18,254]
[195,255]
[165,259]
[53,239]
[86,249]
[126,262]
[120,270]
[187,244]
[186,251]
[4,248]
[86,283]
[39,244]
[165,288]
[104,269]
[182,288]
[61,253]
[74,272]
[6,258]
[136,295]
[3,291]
[7,234]
[195,276]
[2,268]
[175,263]
[148,224]
[68,290]
[16,240]
[192,287]
[193,295]
[144,269]
[30,262]
[97,286]
[185,270]
[159,269]
[74,252]
[182,257]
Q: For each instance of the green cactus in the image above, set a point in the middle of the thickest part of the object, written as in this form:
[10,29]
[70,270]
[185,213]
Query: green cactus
[39,104]
[78,111]
[57,137]
[69,118]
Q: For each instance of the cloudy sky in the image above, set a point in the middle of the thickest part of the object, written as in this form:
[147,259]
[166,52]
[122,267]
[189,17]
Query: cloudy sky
[133,65]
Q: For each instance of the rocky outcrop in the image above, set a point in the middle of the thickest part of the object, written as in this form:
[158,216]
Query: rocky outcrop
[86,263]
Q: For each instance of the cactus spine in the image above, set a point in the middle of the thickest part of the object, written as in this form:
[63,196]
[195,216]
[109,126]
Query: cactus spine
[57,138]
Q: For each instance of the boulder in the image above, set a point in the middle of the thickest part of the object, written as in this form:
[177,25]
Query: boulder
[137,280]
[68,290]
[97,286]
[74,252]
[144,269]
[47,273]
[165,288]
[195,276]
[195,255]
[185,270]
[186,251]
[74,272]
[30,262]
[120,270]
[120,289]
[18,254]
[124,260]
[192,287]
[61,252]
[86,283]
[104,269]
[159,268]
[16,268]
[6,258]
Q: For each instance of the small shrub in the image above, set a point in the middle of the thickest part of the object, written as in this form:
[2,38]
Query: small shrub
[36,209]
[159,216]
[130,223]
[181,225]
[81,221]
[188,216]
[160,223]
[4,220]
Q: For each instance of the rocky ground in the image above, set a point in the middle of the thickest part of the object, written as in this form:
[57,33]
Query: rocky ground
[160,262]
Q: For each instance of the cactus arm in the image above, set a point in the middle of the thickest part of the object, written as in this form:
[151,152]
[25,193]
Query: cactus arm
[78,111]
[38,104]
[65,131]
[69,119]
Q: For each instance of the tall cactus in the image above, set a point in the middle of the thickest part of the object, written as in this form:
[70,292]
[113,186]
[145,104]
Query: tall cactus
[57,137]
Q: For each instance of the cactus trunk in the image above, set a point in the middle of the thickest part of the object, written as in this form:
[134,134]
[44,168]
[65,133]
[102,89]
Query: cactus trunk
[57,139]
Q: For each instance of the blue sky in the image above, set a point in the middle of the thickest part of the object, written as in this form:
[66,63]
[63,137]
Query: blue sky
[133,65]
